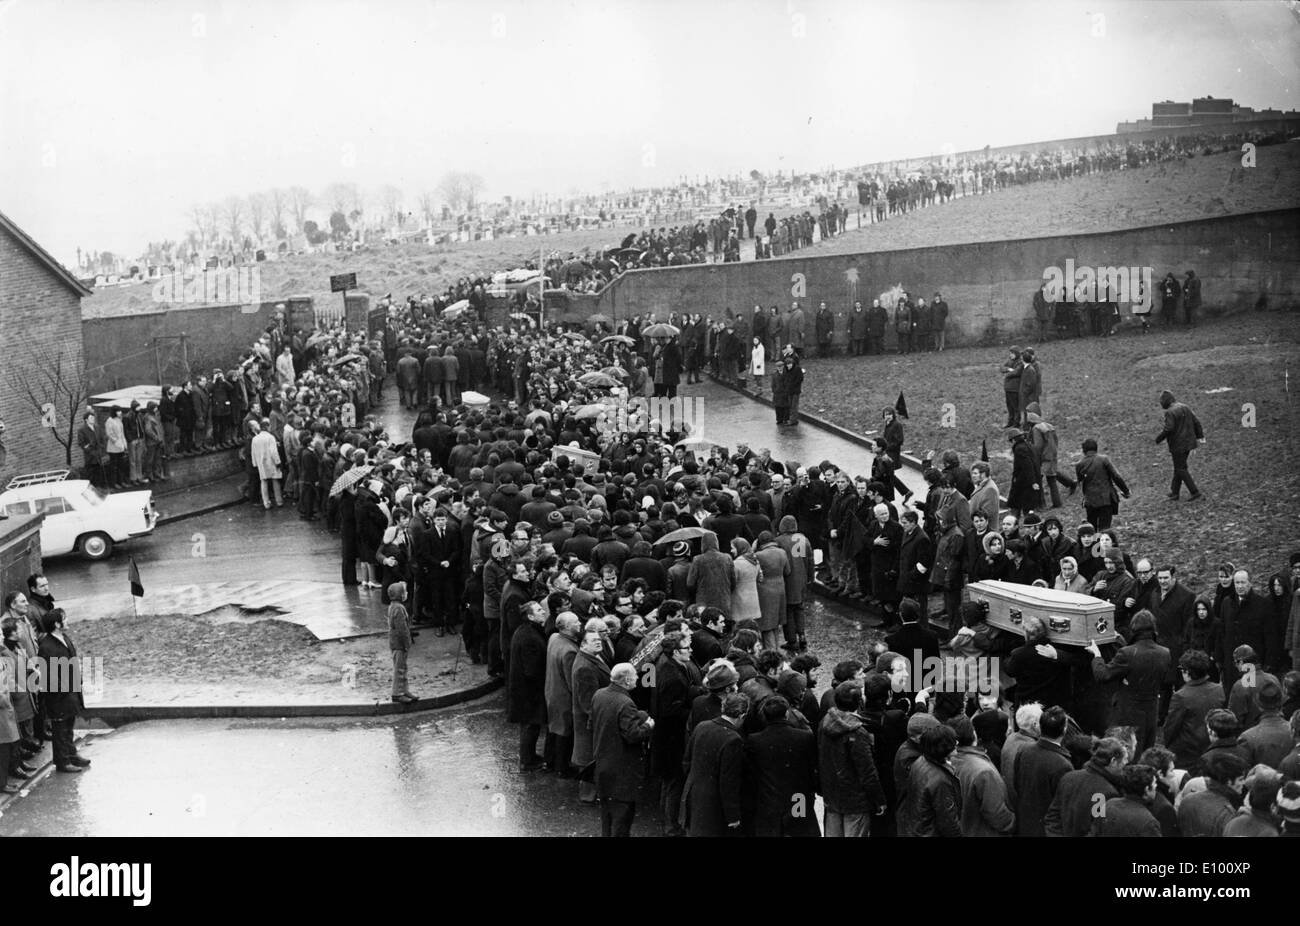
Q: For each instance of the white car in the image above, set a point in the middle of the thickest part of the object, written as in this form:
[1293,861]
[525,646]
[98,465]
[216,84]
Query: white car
[78,516]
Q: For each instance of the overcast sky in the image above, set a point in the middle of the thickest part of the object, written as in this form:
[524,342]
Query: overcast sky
[115,117]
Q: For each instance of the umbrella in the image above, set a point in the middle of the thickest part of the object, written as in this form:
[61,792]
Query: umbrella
[349,478]
[692,442]
[458,306]
[617,339]
[661,330]
[346,358]
[600,380]
[630,253]
[451,313]
[616,372]
[683,533]
[574,336]
[599,319]
[590,411]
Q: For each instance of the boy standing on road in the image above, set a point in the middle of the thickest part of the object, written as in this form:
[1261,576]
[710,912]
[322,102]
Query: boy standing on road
[399,641]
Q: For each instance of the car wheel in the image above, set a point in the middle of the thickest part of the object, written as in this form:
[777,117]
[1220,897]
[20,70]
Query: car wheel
[96,546]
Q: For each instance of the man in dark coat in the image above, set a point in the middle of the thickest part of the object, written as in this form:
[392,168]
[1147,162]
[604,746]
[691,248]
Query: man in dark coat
[666,368]
[781,773]
[913,638]
[1182,430]
[915,560]
[1131,813]
[676,685]
[1247,620]
[1184,728]
[1101,485]
[61,701]
[1076,803]
[1037,772]
[1041,677]
[618,731]
[846,764]
[1026,491]
[526,684]
[877,322]
[714,765]
[437,556]
[934,788]
[1172,604]
[1143,666]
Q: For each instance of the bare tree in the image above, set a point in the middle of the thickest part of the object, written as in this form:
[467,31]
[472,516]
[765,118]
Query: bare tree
[342,197]
[459,188]
[278,200]
[300,200]
[54,383]
[428,207]
[390,200]
[258,206]
[232,213]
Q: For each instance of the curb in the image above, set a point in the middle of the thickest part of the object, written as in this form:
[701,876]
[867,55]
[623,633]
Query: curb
[125,714]
[841,432]
[910,461]
[44,771]
[205,509]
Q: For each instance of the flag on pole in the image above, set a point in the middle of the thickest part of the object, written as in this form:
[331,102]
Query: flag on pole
[900,407]
[133,573]
[984,450]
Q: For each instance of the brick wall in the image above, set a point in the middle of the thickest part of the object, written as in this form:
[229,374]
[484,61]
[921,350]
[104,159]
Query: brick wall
[40,318]
[119,348]
[988,286]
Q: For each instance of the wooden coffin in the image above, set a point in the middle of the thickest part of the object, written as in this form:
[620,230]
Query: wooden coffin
[1069,617]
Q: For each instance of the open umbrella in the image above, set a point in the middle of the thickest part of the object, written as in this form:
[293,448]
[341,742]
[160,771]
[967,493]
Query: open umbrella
[599,319]
[590,411]
[661,330]
[683,533]
[346,358]
[691,443]
[349,478]
[616,372]
[598,379]
[617,339]
[574,336]
[630,253]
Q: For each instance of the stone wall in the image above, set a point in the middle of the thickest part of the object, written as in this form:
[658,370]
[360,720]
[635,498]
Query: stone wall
[988,286]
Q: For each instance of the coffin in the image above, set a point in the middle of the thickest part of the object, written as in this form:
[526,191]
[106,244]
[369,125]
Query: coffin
[1069,617]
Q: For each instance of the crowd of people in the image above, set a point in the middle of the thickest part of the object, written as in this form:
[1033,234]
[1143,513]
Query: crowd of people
[643,601]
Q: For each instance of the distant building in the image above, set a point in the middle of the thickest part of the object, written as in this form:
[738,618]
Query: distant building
[40,326]
[1205,110]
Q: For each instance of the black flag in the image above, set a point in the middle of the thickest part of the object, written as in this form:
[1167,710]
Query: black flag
[900,406]
[133,573]
[984,450]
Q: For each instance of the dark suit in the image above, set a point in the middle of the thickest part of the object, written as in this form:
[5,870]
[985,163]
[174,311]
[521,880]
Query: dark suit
[439,584]
[1144,668]
[1037,773]
[618,731]
[714,765]
[1185,733]
[915,550]
[781,776]
[61,700]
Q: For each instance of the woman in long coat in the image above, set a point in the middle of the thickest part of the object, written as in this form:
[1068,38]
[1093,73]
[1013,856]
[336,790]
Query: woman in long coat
[1026,491]
[774,565]
[744,597]
[666,366]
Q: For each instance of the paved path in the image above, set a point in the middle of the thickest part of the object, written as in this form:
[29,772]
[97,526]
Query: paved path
[731,418]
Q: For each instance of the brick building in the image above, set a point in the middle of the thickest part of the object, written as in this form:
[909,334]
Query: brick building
[40,326]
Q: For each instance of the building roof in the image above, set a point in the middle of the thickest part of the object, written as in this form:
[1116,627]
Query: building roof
[44,256]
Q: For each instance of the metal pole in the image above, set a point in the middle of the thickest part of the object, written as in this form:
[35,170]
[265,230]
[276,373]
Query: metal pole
[157,364]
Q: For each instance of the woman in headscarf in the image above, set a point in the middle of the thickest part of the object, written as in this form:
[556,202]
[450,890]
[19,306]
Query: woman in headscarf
[744,597]
[994,563]
[1203,631]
